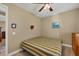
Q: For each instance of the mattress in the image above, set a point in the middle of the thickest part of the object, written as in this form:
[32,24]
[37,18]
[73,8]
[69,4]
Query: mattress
[42,46]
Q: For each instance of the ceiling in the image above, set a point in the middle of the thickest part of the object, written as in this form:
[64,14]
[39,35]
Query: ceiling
[57,8]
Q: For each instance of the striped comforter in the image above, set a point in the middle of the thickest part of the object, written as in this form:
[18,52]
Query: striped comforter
[41,46]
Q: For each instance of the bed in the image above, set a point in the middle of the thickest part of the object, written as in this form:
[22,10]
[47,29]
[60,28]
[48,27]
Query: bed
[41,46]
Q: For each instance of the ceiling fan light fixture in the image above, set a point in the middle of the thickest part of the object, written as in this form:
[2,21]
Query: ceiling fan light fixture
[50,9]
[47,6]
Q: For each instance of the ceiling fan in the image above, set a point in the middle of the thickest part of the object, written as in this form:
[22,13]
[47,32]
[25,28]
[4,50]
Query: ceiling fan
[46,6]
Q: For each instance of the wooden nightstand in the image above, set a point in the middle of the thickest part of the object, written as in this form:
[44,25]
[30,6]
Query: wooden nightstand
[75,43]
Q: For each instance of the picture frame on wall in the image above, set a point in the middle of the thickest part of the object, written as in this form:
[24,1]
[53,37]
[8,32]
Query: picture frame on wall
[56,25]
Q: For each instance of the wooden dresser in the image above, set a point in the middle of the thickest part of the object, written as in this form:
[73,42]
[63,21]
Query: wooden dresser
[75,43]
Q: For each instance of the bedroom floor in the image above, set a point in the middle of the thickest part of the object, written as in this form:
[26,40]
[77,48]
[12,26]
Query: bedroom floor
[67,52]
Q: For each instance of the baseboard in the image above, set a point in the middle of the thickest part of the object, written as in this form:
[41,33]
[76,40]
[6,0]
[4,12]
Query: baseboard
[67,45]
[13,53]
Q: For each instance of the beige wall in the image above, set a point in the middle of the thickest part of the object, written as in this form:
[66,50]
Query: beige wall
[69,23]
[23,19]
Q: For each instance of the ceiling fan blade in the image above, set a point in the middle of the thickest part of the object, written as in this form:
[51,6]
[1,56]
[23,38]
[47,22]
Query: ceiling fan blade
[41,8]
[50,9]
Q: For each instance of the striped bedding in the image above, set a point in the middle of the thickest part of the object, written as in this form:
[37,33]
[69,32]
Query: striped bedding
[41,46]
